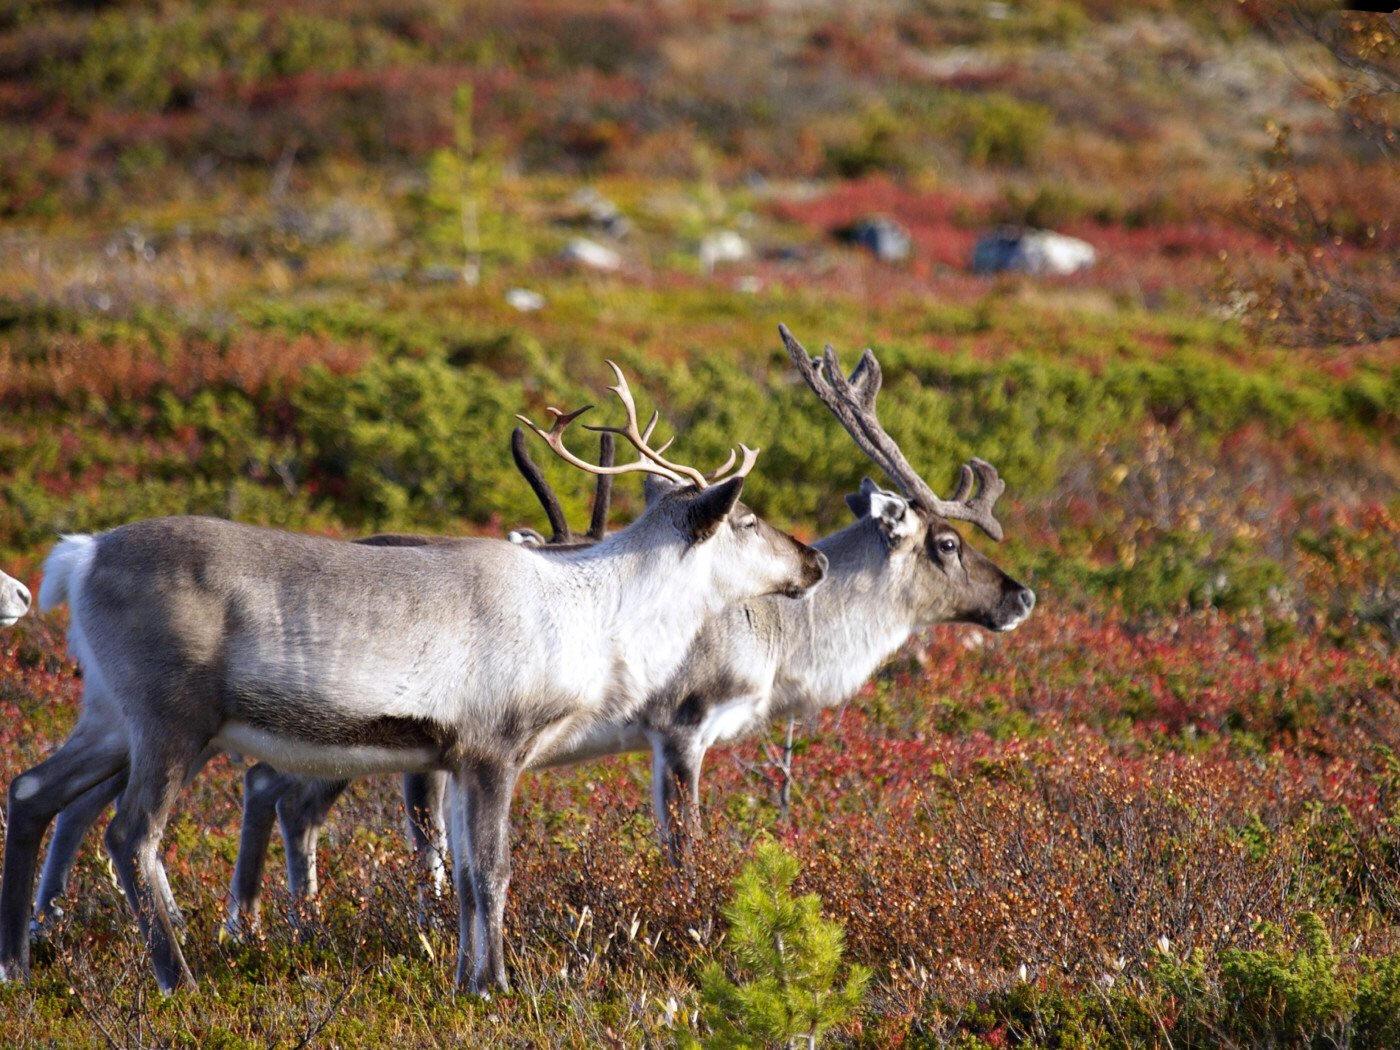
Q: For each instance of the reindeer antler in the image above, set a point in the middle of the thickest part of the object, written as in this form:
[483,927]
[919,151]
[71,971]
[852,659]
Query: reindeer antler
[852,401]
[558,522]
[651,462]
[602,491]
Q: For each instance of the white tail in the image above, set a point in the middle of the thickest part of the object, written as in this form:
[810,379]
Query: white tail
[66,565]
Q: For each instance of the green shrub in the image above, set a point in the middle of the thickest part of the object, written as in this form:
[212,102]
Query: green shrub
[790,957]
[1187,570]
[998,129]
[1378,1005]
[1278,995]
[409,440]
[1299,996]
[873,145]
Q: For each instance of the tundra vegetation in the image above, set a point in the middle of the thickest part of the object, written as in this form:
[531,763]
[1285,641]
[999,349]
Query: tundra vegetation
[234,243]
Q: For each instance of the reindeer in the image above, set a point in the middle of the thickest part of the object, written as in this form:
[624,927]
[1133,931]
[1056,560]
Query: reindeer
[14,600]
[335,659]
[899,568]
[301,804]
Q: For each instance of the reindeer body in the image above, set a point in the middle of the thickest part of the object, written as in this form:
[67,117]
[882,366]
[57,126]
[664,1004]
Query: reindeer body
[898,568]
[377,659]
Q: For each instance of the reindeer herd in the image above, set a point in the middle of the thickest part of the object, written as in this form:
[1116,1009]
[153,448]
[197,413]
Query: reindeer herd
[461,663]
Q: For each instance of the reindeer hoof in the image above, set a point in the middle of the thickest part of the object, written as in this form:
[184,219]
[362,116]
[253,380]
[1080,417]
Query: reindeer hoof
[43,924]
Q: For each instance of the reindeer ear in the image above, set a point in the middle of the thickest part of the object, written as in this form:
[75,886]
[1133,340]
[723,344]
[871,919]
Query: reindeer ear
[708,509]
[654,487]
[893,516]
[526,538]
[859,502]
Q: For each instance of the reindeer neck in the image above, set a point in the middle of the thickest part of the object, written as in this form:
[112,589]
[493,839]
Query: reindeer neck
[839,635]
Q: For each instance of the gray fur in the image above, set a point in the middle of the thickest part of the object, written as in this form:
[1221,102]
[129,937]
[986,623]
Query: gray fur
[783,659]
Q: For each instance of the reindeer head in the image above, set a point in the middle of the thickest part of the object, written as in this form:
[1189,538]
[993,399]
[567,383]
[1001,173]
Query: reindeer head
[745,556]
[14,600]
[948,579]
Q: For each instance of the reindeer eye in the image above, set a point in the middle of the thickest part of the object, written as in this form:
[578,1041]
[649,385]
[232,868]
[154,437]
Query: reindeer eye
[748,521]
[948,545]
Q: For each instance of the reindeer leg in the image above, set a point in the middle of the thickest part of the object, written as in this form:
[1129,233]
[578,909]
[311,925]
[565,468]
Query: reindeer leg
[487,790]
[90,755]
[423,796]
[676,758]
[160,768]
[74,822]
[302,812]
[262,787]
[459,837]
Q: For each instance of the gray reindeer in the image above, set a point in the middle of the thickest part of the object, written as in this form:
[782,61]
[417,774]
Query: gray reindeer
[301,804]
[474,658]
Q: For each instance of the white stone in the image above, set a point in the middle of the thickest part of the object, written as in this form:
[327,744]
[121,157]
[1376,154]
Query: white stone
[525,300]
[723,246]
[1032,251]
[590,254]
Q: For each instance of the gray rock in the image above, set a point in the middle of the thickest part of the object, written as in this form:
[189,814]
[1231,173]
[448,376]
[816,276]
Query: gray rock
[1014,250]
[591,209]
[441,274]
[884,238]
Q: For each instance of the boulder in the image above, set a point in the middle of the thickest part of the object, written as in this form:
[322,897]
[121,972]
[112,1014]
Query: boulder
[590,208]
[590,255]
[722,246]
[884,238]
[1015,250]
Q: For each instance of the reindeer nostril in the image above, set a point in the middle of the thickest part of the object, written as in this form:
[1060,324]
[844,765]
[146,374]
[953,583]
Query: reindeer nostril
[24,598]
[1027,599]
[822,565]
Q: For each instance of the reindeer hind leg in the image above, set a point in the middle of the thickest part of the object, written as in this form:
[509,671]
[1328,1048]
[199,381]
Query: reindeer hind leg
[90,755]
[159,770]
[75,820]
[302,811]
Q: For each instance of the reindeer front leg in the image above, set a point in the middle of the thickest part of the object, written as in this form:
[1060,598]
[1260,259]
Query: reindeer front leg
[423,799]
[676,758]
[484,789]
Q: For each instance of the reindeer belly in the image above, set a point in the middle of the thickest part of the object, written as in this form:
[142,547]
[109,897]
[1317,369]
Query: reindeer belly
[292,754]
[596,741]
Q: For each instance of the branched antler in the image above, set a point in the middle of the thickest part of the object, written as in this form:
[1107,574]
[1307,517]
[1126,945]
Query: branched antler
[651,460]
[852,401]
[558,522]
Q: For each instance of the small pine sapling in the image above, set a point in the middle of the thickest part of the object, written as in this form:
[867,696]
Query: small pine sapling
[789,957]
